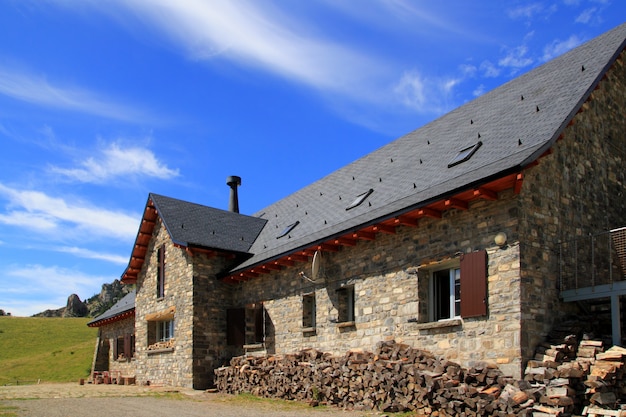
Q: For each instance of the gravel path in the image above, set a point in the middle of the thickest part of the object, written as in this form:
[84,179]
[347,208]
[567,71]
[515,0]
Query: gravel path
[64,400]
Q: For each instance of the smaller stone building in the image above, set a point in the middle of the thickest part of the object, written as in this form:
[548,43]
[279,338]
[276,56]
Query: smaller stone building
[115,348]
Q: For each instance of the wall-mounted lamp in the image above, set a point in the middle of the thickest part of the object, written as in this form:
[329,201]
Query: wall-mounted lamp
[500,239]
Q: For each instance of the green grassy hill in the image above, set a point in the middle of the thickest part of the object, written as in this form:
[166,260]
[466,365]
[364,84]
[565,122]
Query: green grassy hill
[46,349]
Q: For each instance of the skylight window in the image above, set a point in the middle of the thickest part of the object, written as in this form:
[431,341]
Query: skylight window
[288,229]
[360,199]
[464,154]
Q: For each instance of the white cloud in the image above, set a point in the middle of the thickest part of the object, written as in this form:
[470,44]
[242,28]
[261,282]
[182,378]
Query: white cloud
[89,254]
[38,211]
[37,90]
[516,58]
[33,283]
[429,96]
[258,36]
[117,162]
[558,47]
[479,91]
[527,11]
[489,69]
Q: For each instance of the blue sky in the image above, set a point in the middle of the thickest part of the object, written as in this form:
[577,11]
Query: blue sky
[104,102]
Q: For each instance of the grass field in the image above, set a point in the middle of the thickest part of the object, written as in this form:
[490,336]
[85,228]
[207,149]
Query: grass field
[46,349]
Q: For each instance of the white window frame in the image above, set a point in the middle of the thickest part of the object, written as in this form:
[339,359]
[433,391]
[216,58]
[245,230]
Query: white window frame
[454,297]
[164,330]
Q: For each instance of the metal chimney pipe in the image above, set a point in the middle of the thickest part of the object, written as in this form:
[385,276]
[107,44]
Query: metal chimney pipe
[233,203]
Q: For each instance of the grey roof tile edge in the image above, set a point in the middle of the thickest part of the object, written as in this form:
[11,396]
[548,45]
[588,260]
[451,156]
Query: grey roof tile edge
[125,304]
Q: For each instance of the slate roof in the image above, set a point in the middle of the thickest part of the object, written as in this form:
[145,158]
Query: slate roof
[126,304]
[191,224]
[516,123]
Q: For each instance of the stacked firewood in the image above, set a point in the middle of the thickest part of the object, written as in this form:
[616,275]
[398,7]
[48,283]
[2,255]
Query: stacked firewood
[577,377]
[394,378]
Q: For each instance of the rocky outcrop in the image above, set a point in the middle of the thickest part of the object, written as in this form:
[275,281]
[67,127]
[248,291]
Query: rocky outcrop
[93,306]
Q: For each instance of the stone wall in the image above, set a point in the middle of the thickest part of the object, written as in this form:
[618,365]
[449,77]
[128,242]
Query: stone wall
[390,280]
[108,338]
[575,191]
[173,365]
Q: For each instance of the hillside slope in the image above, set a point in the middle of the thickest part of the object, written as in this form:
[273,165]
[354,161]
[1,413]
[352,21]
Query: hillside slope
[46,349]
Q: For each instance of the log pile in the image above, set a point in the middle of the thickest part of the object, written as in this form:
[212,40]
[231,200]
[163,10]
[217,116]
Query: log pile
[570,377]
[394,378]
[562,380]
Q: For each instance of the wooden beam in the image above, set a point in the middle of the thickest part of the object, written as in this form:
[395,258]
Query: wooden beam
[345,241]
[272,267]
[405,221]
[361,234]
[297,257]
[382,228]
[428,212]
[485,194]
[285,262]
[456,203]
[327,247]
[518,183]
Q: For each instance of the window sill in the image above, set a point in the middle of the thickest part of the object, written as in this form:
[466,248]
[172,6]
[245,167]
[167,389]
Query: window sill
[439,324]
[156,351]
[254,346]
[308,330]
[343,324]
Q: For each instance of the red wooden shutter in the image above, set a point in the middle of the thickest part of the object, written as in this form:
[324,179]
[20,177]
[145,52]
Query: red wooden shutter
[474,284]
[127,351]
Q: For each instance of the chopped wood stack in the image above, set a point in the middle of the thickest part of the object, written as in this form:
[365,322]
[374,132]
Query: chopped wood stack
[394,378]
[571,377]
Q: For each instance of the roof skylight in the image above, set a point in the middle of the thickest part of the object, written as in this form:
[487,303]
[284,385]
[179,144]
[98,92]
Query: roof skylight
[288,229]
[464,154]
[360,199]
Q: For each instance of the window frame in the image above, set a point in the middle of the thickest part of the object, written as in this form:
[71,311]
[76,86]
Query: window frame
[165,330]
[346,302]
[160,284]
[452,280]
[472,280]
[309,312]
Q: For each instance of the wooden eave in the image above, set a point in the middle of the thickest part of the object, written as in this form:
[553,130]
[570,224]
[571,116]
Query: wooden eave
[140,248]
[116,318]
[459,201]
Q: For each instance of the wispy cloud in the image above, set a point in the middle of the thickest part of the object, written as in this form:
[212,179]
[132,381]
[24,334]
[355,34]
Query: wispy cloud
[516,58]
[52,283]
[38,90]
[425,95]
[90,254]
[259,36]
[117,161]
[558,47]
[35,210]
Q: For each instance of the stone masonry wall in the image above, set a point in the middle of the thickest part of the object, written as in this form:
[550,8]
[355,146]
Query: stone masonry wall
[173,366]
[211,299]
[391,295]
[575,191]
[110,333]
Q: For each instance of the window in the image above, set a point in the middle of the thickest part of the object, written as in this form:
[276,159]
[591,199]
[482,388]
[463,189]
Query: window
[124,347]
[464,154]
[160,289]
[308,311]
[446,293]
[459,290]
[288,229]
[359,199]
[164,330]
[345,300]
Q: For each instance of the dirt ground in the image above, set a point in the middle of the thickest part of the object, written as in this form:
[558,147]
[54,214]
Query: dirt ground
[64,400]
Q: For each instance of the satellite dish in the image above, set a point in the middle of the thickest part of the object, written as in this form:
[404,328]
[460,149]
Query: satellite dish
[315,265]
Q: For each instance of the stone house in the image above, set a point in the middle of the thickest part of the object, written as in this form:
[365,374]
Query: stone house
[115,347]
[449,238]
